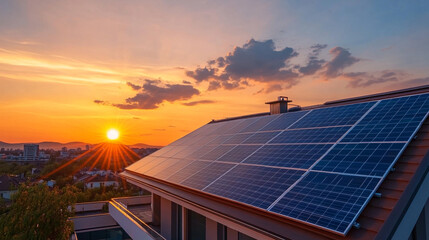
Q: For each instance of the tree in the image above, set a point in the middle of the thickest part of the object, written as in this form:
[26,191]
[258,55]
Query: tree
[38,212]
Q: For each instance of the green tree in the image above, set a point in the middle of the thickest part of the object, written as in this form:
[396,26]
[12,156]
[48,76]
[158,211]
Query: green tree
[38,212]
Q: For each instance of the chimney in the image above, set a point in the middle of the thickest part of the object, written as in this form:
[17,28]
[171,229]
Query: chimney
[279,106]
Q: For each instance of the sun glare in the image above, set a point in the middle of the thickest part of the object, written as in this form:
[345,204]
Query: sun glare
[112,134]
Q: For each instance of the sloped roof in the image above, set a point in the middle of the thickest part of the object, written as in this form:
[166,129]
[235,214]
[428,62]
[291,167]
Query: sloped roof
[379,218]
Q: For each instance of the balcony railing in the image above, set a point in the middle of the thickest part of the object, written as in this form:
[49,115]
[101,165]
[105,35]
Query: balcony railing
[134,226]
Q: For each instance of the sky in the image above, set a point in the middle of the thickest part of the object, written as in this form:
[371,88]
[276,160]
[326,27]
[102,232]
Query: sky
[156,70]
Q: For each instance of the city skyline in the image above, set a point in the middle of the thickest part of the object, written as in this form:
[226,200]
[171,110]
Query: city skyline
[156,71]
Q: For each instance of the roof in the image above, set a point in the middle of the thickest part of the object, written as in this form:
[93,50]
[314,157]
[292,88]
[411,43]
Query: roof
[378,220]
[99,178]
[8,183]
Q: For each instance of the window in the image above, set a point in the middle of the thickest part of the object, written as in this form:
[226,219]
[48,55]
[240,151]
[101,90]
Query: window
[176,221]
[196,226]
[221,232]
[242,236]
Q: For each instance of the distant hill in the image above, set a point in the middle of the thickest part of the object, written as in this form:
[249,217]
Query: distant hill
[142,145]
[58,146]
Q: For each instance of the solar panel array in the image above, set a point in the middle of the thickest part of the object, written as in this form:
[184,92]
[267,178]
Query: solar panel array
[319,167]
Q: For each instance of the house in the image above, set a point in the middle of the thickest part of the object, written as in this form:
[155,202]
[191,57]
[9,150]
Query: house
[8,186]
[97,181]
[353,168]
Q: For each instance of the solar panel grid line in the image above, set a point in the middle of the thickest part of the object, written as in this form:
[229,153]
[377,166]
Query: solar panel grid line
[212,171]
[346,174]
[325,135]
[297,156]
[261,123]
[250,154]
[334,116]
[321,157]
[260,165]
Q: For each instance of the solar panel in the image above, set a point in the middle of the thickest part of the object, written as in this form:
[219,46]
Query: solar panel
[391,120]
[284,121]
[315,135]
[293,156]
[260,138]
[334,116]
[257,186]
[237,139]
[187,171]
[261,122]
[217,152]
[319,166]
[328,200]
[239,153]
[372,159]
[207,175]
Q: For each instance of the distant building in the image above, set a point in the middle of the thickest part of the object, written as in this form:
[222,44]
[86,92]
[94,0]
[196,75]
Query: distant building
[98,181]
[8,186]
[87,147]
[31,152]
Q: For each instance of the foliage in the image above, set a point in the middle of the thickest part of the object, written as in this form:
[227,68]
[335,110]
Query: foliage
[15,168]
[38,212]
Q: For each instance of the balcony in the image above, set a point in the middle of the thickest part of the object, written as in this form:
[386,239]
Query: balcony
[134,215]
[131,215]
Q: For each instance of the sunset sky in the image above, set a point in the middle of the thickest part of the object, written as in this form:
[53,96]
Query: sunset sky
[156,70]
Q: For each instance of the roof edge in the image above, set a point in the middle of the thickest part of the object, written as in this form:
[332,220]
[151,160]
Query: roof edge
[397,215]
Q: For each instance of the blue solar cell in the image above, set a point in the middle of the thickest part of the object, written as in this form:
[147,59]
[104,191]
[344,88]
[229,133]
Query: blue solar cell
[219,140]
[200,151]
[316,135]
[217,152]
[207,175]
[167,172]
[238,153]
[293,156]
[284,121]
[238,138]
[258,124]
[260,138]
[257,186]
[372,159]
[334,116]
[244,123]
[328,200]
[150,162]
[187,171]
[391,120]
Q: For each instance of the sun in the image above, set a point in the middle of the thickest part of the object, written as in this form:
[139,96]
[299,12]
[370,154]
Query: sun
[112,134]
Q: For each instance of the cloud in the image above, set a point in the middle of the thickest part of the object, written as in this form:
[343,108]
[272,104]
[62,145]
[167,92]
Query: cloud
[314,64]
[341,58]
[201,74]
[364,79]
[411,83]
[193,103]
[152,94]
[186,82]
[101,102]
[256,60]
[134,86]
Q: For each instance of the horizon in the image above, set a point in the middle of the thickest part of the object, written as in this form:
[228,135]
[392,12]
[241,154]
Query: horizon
[157,71]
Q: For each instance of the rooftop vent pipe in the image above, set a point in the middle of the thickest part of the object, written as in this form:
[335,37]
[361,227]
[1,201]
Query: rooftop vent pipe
[279,106]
